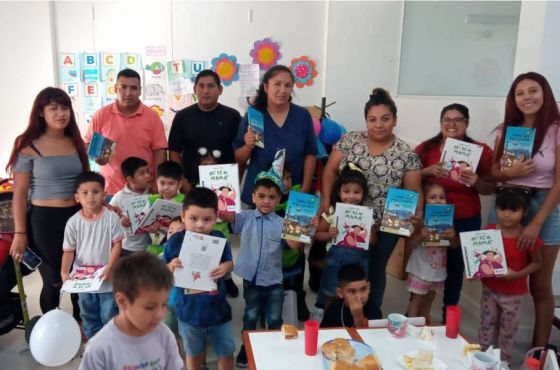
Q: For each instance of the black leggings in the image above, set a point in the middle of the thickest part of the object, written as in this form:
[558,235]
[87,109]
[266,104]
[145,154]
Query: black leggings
[46,235]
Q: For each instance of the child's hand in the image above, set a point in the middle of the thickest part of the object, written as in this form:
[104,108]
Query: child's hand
[424,232]
[65,277]
[373,235]
[250,138]
[154,227]
[219,272]
[175,263]
[333,232]
[106,274]
[449,234]
[416,221]
[355,306]
[125,221]
[117,210]
[511,275]
[468,177]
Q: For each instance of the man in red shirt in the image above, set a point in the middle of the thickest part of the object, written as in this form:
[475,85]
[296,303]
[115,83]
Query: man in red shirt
[135,128]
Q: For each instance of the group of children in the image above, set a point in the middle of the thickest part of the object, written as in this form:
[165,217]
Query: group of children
[141,282]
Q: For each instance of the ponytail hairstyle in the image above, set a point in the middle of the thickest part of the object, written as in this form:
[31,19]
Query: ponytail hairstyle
[546,116]
[37,126]
[438,139]
[380,96]
[349,174]
[260,101]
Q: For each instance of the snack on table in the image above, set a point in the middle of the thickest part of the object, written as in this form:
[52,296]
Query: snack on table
[421,361]
[339,349]
[289,331]
[426,334]
[370,362]
[471,348]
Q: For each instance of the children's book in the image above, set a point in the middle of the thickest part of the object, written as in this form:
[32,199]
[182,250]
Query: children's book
[84,279]
[300,210]
[399,207]
[437,219]
[135,209]
[458,156]
[354,225]
[100,147]
[223,179]
[483,254]
[199,254]
[256,122]
[160,213]
[518,145]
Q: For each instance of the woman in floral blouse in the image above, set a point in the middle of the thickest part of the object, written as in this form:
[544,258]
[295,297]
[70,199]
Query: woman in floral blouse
[387,162]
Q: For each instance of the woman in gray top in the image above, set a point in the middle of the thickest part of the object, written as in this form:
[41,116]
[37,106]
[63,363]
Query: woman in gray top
[45,162]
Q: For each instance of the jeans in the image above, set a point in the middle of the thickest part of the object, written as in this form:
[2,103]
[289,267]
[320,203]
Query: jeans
[195,338]
[378,256]
[266,299]
[455,265]
[96,309]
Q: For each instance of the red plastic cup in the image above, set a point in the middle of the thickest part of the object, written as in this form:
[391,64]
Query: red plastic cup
[452,321]
[311,336]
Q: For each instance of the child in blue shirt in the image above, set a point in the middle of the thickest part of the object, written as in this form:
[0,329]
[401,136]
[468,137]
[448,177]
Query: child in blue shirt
[206,314]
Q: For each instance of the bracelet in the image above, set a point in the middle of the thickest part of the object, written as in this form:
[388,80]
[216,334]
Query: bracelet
[20,232]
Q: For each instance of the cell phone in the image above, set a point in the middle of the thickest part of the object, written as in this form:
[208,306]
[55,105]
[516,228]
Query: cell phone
[31,260]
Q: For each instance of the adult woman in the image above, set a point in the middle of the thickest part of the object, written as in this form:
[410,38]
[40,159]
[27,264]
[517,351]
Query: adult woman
[454,121]
[45,162]
[286,125]
[387,162]
[530,103]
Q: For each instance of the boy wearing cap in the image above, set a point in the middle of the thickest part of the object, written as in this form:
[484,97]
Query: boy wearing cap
[259,261]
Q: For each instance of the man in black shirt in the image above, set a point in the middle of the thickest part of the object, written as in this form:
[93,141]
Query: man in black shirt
[352,308]
[205,127]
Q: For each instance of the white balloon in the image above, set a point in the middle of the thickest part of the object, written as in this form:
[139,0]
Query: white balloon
[55,338]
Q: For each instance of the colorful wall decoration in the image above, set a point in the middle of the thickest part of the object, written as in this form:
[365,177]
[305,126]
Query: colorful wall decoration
[226,67]
[304,71]
[265,53]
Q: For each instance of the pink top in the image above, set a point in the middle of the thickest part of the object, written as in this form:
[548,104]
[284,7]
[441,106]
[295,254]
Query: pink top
[135,136]
[544,159]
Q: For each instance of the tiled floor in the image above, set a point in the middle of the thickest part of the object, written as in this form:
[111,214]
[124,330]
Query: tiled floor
[13,354]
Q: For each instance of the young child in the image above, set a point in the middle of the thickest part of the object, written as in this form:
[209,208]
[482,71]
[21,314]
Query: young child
[259,261]
[136,338]
[502,297]
[168,181]
[92,237]
[205,315]
[176,225]
[138,182]
[352,308]
[293,260]
[427,265]
[350,188]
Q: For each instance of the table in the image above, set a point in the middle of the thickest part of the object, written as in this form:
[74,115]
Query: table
[268,350]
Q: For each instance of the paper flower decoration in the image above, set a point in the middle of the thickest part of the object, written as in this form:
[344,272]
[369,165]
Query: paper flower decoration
[265,53]
[304,71]
[226,67]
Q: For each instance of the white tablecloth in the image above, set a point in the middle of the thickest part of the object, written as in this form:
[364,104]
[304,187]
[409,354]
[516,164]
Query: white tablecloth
[272,352]
[389,348]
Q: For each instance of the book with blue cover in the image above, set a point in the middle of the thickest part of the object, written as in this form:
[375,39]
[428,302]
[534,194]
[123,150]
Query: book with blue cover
[100,146]
[354,225]
[399,207]
[518,145]
[437,219]
[256,122]
[300,210]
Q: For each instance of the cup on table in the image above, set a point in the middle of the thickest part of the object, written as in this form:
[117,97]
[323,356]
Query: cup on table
[484,361]
[452,321]
[397,324]
[311,336]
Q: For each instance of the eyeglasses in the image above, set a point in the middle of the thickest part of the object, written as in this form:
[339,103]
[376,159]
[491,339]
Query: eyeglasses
[454,120]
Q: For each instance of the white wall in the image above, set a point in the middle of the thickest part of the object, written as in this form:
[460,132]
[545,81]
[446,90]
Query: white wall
[26,62]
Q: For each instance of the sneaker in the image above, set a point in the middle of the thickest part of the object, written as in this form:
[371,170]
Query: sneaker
[241,359]
[231,289]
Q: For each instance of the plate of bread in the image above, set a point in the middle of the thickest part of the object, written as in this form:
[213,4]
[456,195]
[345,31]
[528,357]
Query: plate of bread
[420,360]
[348,354]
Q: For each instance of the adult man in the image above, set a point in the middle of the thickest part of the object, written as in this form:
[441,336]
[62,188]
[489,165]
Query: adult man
[203,129]
[135,128]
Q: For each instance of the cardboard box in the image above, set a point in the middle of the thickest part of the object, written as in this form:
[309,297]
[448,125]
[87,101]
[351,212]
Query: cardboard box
[396,266]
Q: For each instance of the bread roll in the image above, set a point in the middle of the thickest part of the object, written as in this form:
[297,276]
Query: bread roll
[289,331]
